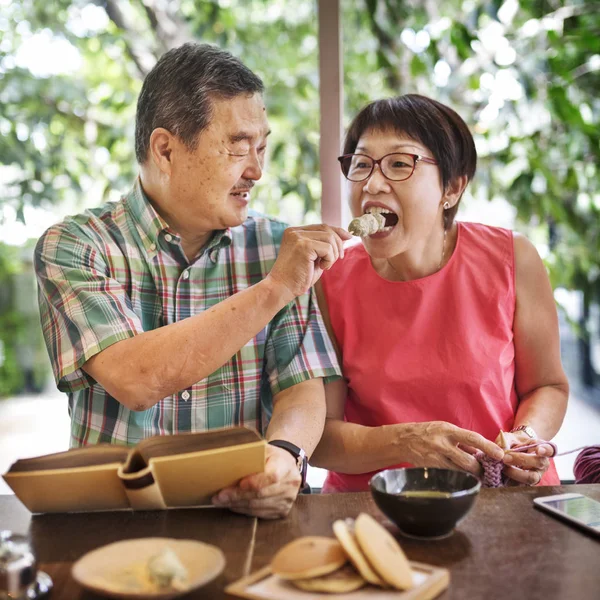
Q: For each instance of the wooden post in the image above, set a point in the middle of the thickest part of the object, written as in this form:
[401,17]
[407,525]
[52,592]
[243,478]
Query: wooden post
[333,205]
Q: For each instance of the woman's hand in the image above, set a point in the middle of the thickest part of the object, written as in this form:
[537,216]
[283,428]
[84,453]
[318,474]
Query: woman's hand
[525,468]
[441,444]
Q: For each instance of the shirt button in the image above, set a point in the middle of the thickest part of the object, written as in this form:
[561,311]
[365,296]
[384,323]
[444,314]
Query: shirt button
[185,395]
[186,274]
[169,237]
[153,247]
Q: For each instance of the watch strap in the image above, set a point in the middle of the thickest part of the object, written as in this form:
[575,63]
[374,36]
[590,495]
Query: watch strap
[527,429]
[298,453]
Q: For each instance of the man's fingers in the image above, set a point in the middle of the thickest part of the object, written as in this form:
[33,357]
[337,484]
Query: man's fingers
[277,501]
[325,237]
[334,236]
[257,481]
[323,252]
[342,232]
[258,485]
[243,497]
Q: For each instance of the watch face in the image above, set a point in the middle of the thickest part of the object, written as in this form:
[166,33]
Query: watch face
[525,429]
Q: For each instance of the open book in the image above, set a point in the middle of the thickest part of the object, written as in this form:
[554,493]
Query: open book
[160,472]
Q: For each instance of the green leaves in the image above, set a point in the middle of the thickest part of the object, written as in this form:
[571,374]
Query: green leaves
[69,137]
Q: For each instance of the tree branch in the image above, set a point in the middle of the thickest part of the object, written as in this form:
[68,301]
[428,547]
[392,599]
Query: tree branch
[170,30]
[144,61]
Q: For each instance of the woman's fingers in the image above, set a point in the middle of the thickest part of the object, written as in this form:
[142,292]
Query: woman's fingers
[464,461]
[522,476]
[469,449]
[526,461]
[470,438]
[545,450]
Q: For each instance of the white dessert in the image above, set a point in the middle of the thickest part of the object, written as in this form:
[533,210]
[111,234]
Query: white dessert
[166,570]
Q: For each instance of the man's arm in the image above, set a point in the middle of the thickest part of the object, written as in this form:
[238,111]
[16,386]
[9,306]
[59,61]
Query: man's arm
[298,417]
[298,359]
[142,370]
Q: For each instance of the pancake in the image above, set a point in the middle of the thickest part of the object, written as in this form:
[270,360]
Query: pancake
[344,532]
[343,580]
[383,552]
[307,557]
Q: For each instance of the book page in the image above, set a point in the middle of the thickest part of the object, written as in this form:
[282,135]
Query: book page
[100,454]
[168,445]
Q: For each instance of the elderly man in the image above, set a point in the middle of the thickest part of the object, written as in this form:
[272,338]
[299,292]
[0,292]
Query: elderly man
[174,310]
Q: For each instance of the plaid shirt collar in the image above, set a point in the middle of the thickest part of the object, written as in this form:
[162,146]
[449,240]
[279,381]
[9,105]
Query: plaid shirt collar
[151,226]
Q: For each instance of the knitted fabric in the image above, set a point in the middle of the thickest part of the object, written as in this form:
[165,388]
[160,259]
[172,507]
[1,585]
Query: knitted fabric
[492,468]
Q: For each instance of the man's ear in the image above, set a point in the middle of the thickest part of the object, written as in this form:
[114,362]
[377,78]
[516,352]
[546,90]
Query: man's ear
[455,189]
[161,147]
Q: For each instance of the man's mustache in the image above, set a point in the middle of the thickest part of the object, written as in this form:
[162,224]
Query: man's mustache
[246,185]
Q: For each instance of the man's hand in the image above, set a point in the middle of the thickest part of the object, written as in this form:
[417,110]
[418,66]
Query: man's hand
[526,468]
[304,254]
[268,495]
[441,444]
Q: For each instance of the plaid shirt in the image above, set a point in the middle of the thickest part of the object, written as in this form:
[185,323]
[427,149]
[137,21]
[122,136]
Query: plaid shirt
[118,270]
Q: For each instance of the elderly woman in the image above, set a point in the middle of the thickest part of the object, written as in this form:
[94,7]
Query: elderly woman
[447,331]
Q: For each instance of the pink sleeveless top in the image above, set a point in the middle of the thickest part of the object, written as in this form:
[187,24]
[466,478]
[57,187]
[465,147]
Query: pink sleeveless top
[438,348]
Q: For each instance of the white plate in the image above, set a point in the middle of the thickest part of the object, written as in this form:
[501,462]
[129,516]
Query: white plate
[112,570]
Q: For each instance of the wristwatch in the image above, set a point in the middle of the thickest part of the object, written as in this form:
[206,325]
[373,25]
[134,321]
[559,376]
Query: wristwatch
[527,429]
[298,454]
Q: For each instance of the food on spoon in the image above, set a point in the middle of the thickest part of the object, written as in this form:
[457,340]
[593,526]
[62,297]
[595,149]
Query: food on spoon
[367,224]
[375,219]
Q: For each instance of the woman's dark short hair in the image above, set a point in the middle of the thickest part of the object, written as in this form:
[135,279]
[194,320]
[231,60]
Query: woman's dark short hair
[178,92]
[434,125]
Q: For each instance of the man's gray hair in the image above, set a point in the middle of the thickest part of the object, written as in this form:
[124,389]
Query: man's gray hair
[178,93]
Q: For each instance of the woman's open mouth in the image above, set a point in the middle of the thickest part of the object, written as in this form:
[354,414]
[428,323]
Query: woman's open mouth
[391,218]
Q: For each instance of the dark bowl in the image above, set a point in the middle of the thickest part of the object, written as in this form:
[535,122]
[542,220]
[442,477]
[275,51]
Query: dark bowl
[425,502]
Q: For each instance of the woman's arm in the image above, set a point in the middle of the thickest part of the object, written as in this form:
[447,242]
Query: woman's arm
[541,383]
[352,448]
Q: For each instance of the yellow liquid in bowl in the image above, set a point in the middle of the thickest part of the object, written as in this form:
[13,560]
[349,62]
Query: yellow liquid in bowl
[425,494]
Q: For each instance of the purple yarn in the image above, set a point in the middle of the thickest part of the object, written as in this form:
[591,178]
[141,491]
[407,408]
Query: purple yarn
[587,465]
[492,471]
[492,468]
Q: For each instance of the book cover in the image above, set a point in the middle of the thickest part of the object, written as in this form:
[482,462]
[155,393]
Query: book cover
[160,472]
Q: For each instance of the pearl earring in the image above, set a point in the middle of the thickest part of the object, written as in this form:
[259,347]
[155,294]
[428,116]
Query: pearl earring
[446,205]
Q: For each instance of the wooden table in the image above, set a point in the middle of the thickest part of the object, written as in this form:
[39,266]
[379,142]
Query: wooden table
[505,549]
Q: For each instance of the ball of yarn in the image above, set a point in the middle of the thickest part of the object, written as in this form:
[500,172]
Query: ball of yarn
[587,465]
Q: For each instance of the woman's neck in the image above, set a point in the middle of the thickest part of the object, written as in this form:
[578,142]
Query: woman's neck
[419,262]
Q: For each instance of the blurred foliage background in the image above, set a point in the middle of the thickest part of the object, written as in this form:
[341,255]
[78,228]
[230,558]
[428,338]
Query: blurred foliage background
[525,75]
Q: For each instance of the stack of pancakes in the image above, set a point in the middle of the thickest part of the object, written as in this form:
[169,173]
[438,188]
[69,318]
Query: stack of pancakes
[364,552]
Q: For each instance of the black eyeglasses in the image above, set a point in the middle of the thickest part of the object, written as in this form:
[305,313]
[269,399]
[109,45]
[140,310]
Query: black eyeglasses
[397,166]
